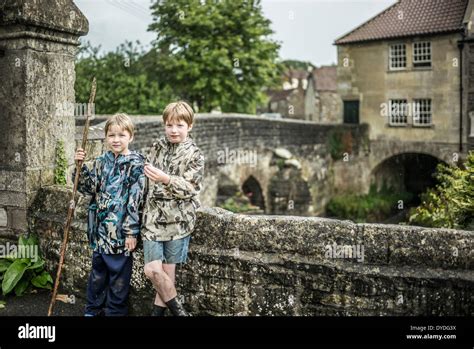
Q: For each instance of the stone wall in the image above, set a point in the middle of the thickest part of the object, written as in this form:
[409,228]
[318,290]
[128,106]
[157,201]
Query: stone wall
[38,42]
[279,265]
[468,88]
[323,107]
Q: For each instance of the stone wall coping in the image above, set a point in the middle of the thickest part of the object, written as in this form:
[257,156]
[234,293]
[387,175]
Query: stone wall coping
[58,15]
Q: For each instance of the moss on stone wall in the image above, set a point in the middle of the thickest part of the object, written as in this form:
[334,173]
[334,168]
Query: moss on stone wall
[60,169]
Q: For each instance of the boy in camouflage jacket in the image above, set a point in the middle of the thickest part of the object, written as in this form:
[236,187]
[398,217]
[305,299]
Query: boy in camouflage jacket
[116,183]
[174,169]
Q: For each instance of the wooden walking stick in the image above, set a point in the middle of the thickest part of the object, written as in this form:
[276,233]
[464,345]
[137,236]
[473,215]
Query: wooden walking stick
[73,201]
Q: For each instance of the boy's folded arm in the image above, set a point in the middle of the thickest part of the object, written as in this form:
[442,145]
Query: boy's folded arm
[188,185]
[131,224]
[87,180]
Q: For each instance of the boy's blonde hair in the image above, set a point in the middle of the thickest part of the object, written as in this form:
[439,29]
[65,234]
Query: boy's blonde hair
[179,111]
[122,120]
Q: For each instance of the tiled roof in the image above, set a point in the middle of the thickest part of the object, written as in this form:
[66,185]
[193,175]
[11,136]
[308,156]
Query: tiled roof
[324,78]
[280,95]
[410,18]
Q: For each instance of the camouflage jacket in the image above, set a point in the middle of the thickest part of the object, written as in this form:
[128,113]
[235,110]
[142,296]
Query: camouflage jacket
[117,186]
[170,209]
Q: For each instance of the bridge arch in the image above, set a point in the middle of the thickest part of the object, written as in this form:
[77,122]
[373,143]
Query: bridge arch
[406,171]
[382,150]
[253,190]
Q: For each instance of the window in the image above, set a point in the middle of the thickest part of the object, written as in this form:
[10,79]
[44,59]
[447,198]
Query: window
[422,54]
[398,112]
[422,112]
[398,57]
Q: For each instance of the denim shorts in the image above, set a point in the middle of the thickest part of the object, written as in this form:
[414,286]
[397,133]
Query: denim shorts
[170,252]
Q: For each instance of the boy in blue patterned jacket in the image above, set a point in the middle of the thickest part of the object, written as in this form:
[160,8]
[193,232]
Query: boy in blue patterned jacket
[116,183]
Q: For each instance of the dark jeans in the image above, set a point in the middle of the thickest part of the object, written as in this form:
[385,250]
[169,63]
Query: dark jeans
[109,284]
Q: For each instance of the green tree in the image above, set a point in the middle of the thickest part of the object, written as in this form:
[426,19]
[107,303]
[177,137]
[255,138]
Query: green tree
[123,83]
[451,203]
[295,64]
[214,53]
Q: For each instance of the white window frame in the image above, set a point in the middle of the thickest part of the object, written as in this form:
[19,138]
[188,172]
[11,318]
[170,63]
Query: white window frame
[421,54]
[402,112]
[422,112]
[395,55]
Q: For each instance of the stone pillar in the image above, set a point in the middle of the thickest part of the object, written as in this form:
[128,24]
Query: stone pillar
[38,43]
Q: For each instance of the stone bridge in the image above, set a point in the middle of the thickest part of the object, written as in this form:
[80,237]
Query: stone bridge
[287,164]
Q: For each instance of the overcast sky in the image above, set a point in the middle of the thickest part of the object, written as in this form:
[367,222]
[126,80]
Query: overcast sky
[306,29]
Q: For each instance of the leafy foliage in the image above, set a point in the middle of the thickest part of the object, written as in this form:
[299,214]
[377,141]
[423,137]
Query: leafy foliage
[340,142]
[123,83]
[215,54]
[372,207]
[239,203]
[295,64]
[451,203]
[21,271]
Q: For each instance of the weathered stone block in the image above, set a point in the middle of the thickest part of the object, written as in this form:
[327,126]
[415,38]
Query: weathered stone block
[3,217]
[17,219]
[13,199]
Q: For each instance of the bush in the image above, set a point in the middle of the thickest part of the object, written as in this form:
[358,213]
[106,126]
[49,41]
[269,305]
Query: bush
[451,203]
[239,204]
[340,142]
[375,206]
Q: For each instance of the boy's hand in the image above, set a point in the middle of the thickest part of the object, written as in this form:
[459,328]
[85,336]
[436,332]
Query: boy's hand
[156,174]
[130,243]
[80,154]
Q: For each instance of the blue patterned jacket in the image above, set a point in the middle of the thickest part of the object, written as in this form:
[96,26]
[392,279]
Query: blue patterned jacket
[117,187]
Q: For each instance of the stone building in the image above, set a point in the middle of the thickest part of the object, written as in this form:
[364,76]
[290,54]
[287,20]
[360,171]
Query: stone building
[322,102]
[404,72]
[287,103]
[289,100]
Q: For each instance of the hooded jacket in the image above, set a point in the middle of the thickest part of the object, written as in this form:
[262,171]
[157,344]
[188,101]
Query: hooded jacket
[170,209]
[117,186]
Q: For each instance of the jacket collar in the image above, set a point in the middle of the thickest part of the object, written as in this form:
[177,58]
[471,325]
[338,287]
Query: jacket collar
[165,143]
[109,155]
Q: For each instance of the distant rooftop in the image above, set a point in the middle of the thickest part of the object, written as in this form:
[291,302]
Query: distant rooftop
[324,78]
